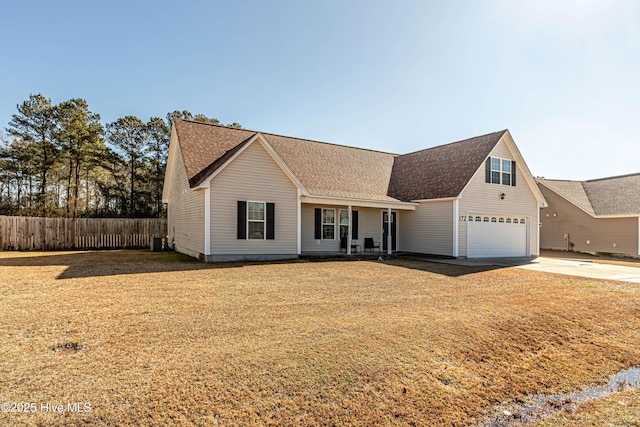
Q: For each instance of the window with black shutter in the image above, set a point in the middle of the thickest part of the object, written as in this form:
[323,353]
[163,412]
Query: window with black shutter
[500,171]
[271,221]
[256,220]
[242,219]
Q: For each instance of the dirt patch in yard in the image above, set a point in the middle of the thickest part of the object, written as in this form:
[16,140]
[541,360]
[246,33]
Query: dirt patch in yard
[159,339]
[621,410]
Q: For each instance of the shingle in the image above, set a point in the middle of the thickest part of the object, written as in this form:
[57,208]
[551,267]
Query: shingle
[618,195]
[201,145]
[324,169]
[440,172]
[340,171]
[573,191]
[335,170]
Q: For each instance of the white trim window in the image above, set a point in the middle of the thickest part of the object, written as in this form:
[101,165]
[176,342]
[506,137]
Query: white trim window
[501,171]
[256,220]
[328,224]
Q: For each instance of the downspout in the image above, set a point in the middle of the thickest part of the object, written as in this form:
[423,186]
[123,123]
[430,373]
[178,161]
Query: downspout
[207,222]
[538,229]
[299,224]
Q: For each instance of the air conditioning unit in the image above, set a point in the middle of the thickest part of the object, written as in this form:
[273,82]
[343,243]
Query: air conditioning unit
[157,244]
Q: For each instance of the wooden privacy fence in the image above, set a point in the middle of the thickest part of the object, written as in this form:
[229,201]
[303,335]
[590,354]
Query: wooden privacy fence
[32,233]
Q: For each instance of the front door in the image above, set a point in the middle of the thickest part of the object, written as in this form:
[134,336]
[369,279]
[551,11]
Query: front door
[385,231]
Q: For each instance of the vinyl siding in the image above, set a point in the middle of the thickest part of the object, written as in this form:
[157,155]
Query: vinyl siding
[185,209]
[369,225]
[562,217]
[484,198]
[428,229]
[253,176]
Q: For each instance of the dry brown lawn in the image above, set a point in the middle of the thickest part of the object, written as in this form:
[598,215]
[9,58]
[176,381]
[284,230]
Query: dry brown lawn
[158,339]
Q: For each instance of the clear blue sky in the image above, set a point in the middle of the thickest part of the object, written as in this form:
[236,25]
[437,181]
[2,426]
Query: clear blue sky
[399,76]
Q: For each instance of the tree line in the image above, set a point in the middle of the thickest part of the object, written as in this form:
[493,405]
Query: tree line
[61,161]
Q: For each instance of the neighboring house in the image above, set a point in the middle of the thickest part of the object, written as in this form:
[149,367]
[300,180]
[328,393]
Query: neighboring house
[236,194]
[600,215]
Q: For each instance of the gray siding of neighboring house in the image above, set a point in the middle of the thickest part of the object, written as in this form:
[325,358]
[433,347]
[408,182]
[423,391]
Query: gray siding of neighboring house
[252,176]
[480,197]
[185,210]
[369,225]
[428,229]
[562,217]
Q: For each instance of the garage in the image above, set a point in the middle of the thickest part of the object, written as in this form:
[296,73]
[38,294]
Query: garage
[491,235]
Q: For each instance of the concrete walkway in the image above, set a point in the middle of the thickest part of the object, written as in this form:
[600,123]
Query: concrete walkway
[553,265]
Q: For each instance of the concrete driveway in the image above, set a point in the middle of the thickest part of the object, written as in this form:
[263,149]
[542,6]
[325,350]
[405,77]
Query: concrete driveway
[560,266]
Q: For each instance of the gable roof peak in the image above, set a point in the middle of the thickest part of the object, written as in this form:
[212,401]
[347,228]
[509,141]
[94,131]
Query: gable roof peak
[612,196]
[427,174]
[322,168]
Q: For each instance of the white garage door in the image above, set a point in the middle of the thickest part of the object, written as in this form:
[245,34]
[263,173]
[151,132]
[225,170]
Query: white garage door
[496,236]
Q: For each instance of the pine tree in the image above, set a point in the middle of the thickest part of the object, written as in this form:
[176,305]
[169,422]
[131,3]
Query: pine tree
[34,124]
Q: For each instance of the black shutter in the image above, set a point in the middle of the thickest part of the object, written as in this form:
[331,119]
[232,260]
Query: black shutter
[242,220]
[513,173]
[354,225]
[487,170]
[318,222]
[271,221]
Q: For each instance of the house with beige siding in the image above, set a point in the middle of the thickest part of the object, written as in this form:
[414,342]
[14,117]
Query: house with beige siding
[237,194]
[595,216]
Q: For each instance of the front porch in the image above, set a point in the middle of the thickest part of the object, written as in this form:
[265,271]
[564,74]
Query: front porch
[329,227]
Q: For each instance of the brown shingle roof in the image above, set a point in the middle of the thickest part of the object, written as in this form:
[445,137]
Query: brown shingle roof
[431,174]
[618,195]
[340,171]
[324,169]
[204,146]
[573,191]
[336,170]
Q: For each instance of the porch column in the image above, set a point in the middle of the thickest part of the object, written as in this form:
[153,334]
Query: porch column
[349,234]
[389,217]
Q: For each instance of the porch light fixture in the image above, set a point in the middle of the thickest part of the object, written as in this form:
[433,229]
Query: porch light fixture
[502,196]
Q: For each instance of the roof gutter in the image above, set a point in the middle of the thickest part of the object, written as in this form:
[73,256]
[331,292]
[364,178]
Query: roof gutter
[443,199]
[371,203]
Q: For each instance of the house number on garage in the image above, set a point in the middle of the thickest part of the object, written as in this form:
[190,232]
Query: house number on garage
[463,218]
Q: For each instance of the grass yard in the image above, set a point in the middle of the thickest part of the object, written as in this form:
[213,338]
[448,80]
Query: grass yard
[156,338]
